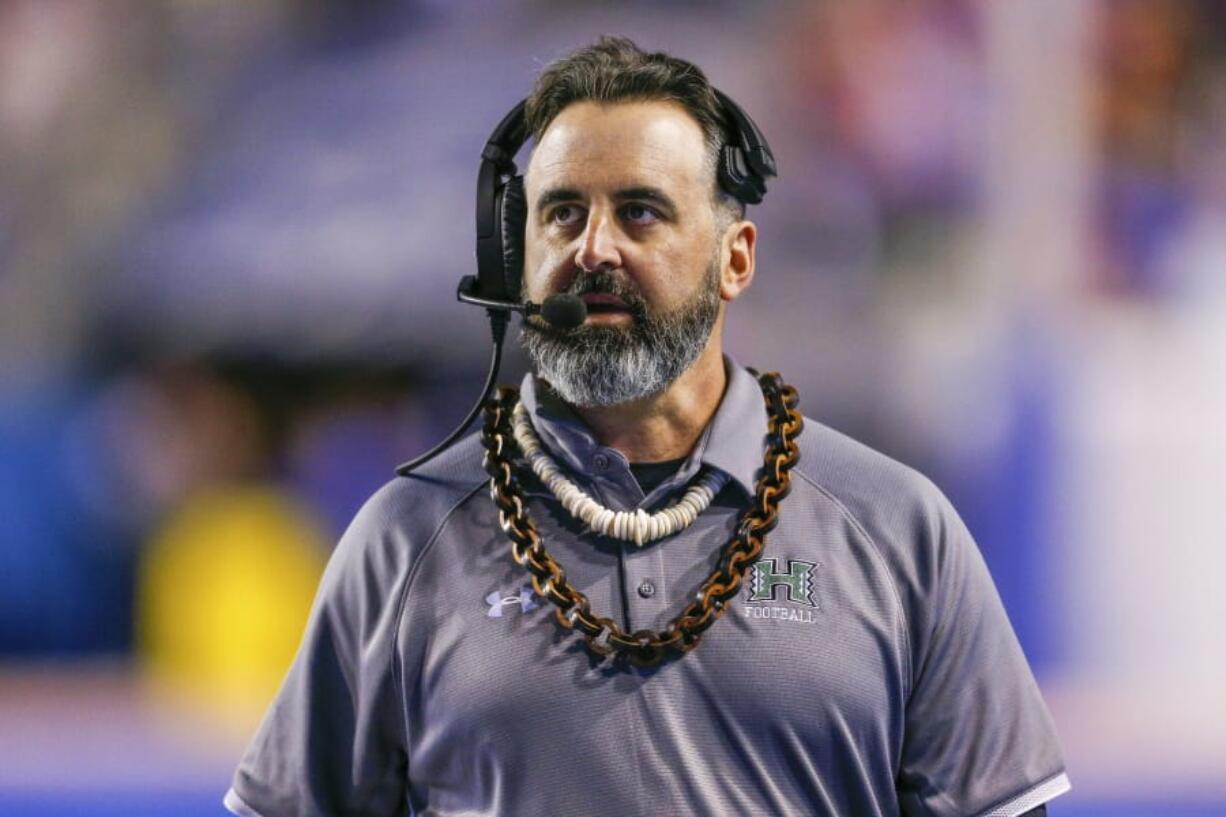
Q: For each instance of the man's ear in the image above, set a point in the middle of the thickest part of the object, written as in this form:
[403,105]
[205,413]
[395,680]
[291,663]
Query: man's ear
[737,255]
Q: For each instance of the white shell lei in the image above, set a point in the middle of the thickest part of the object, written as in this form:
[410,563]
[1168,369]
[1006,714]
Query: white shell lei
[636,526]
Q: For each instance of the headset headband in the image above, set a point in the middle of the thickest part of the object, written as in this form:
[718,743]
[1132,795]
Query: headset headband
[745,163]
[498,155]
[757,151]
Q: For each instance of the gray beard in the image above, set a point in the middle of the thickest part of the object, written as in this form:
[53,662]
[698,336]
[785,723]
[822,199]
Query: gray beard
[608,365]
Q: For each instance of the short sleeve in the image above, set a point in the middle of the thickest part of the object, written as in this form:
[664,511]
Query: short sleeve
[333,741]
[978,739]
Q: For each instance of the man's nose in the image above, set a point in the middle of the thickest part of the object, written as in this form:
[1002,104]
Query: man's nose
[598,244]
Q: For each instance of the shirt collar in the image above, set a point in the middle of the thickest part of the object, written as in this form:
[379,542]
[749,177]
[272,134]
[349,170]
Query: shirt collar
[733,441]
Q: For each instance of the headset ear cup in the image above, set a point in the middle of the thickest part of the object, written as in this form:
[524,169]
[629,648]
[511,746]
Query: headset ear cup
[736,178]
[513,216]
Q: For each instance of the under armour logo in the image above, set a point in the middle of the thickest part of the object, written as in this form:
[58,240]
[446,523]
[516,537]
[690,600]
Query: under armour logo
[497,601]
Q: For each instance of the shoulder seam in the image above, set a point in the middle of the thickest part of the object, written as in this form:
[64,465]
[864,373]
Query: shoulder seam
[902,610]
[397,670]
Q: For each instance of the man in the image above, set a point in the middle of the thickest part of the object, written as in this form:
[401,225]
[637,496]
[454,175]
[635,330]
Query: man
[864,664]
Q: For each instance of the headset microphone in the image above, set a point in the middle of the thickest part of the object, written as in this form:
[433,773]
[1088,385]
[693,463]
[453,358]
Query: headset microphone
[562,311]
[745,163]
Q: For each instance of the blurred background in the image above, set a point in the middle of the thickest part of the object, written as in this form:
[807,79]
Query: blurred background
[230,235]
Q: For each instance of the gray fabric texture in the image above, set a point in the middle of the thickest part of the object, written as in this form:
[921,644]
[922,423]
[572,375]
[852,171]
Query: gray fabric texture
[875,672]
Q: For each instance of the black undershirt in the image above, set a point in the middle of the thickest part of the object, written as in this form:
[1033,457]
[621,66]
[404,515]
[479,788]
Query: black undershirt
[651,474]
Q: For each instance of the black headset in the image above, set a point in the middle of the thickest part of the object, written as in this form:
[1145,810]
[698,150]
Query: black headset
[745,163]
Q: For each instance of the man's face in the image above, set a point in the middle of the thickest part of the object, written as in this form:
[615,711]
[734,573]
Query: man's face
[620,212]
[625,185]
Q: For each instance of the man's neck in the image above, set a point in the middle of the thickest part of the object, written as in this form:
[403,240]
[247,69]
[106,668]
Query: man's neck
[664,426]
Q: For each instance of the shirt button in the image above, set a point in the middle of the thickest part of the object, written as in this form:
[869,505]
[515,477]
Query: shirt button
[601,461]
[647,589]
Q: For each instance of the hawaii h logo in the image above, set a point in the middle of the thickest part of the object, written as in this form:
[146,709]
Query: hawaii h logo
[797,582]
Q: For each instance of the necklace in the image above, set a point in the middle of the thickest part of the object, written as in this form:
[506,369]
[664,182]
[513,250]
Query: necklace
[603,636]
[636,526]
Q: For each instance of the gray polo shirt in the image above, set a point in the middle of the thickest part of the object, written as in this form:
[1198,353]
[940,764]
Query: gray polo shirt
[868,668]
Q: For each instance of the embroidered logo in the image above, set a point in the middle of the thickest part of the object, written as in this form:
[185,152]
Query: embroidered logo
[497,601]
[797,582]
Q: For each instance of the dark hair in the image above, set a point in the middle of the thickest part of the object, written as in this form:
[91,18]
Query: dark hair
[614,69]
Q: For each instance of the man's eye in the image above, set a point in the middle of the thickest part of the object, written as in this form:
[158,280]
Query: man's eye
[640,215]
[566,215]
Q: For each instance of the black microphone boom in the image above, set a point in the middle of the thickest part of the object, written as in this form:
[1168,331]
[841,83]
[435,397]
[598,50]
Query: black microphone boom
[563,311]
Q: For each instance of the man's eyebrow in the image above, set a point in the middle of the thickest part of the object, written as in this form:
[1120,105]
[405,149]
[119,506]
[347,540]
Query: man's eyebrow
[555,195]
[646,193]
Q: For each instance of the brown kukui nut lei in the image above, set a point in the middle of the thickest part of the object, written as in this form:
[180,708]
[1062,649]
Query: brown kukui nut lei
[602,634]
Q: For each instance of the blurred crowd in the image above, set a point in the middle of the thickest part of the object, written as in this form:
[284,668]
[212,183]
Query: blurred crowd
[230,235]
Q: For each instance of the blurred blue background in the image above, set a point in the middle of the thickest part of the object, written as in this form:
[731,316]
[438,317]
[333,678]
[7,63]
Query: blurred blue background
[230,235]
